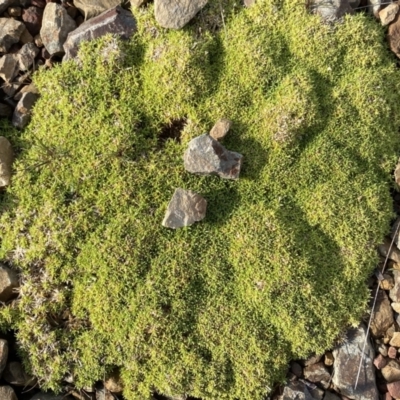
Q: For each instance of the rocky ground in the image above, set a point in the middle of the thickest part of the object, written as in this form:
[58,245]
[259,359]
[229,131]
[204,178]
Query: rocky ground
[34,34]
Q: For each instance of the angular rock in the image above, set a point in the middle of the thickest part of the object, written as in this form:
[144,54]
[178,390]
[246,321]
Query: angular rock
[5,110]
[382,349]
[383,316]
[7,393]
[3,355]
[26,56]
[184,209]
[92,8]
[394,293]
[9,65]
[26,37]
[331,10]
[10,33]
[32,16]
[395,339]
[22,113]
[8,277]
[175,14]
[388,14]
[56,26]
[387,282]
[313,359]
[206,156]
[380,361]
[117,21]
[394,389]
[347,360]
[296,390]
[392,352]
[138,3]
[318,373]
[384,248]
[220,129]
[394,44]
[391,371]
[15,375]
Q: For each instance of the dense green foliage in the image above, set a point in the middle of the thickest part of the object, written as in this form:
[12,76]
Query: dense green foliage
[278,267]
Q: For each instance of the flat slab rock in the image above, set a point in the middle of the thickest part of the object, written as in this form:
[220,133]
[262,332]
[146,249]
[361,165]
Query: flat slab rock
[206,156]
[92,8]
[117,21]
[347,360]
[175,14]
[184,209]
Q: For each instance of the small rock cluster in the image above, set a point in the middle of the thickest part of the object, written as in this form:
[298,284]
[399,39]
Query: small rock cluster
[204,156]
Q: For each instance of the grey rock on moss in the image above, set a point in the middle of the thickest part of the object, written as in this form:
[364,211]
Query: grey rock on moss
[206,156]
[117,21]
[175,14]
[184,209]
[331,9]
[23,110]
[220,129]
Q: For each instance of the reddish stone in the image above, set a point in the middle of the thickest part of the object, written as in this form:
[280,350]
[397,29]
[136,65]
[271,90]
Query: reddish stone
[32,16]
[380,361]
[388,396]
[394,389]
[392,352]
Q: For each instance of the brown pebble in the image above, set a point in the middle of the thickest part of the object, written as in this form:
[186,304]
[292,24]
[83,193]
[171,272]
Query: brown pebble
[220,129]
[392,352]
[380,361]
[395,341]
[329,359]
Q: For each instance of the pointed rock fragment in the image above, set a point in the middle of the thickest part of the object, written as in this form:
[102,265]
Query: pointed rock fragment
[184,209]
[206,156]
[348,357]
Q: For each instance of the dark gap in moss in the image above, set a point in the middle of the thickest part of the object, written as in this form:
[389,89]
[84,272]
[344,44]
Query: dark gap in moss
[172,131]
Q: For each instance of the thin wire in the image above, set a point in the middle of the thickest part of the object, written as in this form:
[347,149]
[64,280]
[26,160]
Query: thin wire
[373,305]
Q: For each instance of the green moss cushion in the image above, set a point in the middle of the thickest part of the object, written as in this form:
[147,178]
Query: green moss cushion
[276,270]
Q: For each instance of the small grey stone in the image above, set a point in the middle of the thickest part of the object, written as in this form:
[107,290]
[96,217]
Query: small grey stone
[184,209]
[56,26]
[26,56]
[296,390]
[331,9]
[15,374]
[10,33]
[92,8]
[220,129]
[382,317]
[7,393]
[318,373]
[347,360]
[117,21]
[8,277]
[206,156]
[22,113]
[9,67]
[175,14]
